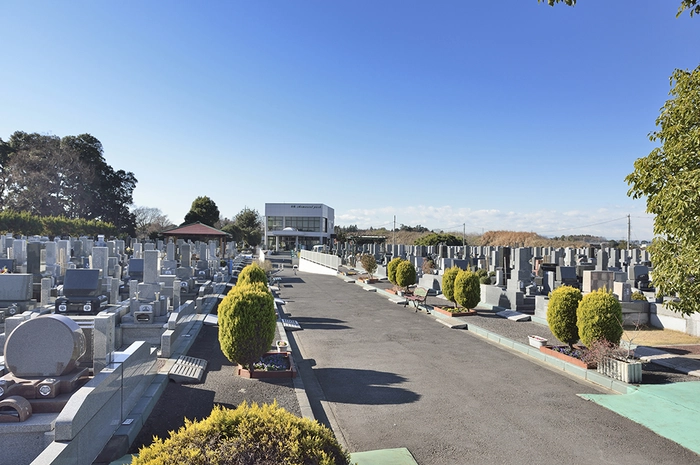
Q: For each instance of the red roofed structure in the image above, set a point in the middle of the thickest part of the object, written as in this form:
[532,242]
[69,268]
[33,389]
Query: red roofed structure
[198,231]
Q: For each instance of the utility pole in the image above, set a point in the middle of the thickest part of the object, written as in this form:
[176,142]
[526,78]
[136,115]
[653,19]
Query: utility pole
[464,235]
[394,230]
[629,229]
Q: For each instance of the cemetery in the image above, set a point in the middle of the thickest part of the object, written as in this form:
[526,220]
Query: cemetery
[85,328]
[523,277]
[87,325]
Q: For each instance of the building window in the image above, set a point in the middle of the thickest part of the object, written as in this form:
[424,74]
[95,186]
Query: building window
[275,223]
[304,223]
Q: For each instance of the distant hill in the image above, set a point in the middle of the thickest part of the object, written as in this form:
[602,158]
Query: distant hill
[493,238]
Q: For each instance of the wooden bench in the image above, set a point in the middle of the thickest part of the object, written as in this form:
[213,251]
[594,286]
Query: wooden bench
[417,297]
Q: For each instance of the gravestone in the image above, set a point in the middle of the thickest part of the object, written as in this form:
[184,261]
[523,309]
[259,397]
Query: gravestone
[100,260]
[45,346]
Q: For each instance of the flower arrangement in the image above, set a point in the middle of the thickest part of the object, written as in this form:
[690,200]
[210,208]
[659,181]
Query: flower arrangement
[272,362]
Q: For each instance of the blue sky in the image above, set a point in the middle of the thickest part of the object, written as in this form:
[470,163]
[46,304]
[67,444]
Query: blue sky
[493,114]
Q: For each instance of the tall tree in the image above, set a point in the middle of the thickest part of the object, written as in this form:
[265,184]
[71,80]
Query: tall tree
[669,177]
[204,210]
[246,227]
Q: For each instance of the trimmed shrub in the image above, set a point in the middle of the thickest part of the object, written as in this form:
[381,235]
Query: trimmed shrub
[251,274]
[264,435]
[369,263]
[599,317]
[485,280]
[638,295]
[391,269]
[561,313]
[247,322]
[467,289]
[405,274]
[448,283]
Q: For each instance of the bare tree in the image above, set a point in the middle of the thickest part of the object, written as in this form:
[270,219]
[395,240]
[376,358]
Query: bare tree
[149,220]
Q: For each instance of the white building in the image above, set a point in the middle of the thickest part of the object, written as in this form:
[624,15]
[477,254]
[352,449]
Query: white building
[290,226]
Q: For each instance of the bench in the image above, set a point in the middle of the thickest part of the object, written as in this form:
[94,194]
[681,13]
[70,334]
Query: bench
[417,297]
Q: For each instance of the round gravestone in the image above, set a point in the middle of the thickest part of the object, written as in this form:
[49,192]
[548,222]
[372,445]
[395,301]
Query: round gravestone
[48,345]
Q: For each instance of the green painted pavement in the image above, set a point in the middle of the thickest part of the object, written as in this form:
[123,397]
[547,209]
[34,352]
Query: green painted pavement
[383,457]
[670,410]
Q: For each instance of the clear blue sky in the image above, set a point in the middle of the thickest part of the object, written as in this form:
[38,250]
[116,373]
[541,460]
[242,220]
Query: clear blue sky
[495,114]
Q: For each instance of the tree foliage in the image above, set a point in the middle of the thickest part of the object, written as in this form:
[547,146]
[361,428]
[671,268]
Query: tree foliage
[263,435]
[467,287]
[247,321]
[69,177]
[149,220]
[26,224]
[561,313]
[448,283]
[391,269]
[599,318]
[439,238]
[669,177]
[691,5]
[369,263]
[250,274]
[246,227]
[405,274]
[203,210]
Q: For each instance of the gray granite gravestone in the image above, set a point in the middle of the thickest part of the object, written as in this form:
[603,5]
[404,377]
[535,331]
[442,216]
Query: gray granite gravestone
[48,345]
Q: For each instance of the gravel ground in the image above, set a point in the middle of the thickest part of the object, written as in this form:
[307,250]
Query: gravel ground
[220,386]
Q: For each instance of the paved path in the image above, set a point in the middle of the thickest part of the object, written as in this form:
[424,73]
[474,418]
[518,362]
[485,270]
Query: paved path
[383,376]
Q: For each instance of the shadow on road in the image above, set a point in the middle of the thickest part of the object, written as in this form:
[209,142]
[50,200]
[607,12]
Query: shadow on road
[321,323]
[366,387]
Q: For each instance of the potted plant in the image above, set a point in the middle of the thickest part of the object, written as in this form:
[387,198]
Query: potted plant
[282,346]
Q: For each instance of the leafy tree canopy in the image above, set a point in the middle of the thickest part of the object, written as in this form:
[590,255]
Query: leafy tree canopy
[204,210]
[50,176]
[669,177]
[246,227]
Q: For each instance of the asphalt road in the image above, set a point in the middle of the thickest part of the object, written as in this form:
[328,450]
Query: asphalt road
[383,376]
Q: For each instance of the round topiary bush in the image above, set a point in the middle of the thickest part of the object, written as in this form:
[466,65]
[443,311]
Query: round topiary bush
[405,274]
[448,283]
[247,322]
[252,273]
[599,318]
[467,289]
[263,435]
[485,280]
[561,313]
[391,269]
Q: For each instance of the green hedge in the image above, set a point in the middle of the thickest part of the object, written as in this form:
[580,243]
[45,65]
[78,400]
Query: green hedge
[23,223]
